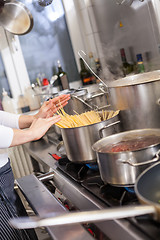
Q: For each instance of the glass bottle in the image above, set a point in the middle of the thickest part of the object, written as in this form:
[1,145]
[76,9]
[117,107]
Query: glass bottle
[85,74]
[126,67]
[98,66]
[140,65]
[62,75]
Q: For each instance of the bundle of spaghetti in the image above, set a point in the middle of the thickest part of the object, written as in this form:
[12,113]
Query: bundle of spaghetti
[77,120]
[83,119]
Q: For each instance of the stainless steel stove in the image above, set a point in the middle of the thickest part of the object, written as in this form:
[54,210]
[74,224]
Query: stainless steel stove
[69,186]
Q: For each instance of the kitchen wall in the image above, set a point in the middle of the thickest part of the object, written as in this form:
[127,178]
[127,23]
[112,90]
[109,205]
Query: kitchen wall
[106,27]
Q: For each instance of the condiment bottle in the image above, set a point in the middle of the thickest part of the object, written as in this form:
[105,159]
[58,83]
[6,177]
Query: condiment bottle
[23,105]
[140,65]
[7,102]
[85,74]
[32,99]
[62,75]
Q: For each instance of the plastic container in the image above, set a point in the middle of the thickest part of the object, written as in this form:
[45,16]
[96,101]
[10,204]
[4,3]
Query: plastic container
[7,102]
[23,105]
[32,99]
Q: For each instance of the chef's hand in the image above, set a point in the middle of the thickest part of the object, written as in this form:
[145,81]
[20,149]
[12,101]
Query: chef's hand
[37,129]
[47,110]
[40,126]
[50,107]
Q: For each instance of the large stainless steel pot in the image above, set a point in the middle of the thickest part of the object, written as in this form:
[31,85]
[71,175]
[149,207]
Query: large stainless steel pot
[78,141]
[137,97]
[123,168]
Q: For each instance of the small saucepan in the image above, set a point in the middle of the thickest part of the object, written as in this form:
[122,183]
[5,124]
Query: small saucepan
[122,157]
[146,188]
[15,17]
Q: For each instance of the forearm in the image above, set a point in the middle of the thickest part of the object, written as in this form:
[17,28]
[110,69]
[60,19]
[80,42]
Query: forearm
[37,130]
[21,137]
[25,121]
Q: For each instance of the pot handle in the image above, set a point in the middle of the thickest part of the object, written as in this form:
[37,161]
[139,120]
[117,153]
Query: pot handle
[107,126]
[155,159]
[82,217]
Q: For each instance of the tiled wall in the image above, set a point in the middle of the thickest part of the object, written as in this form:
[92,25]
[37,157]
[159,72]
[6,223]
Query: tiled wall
[82,23]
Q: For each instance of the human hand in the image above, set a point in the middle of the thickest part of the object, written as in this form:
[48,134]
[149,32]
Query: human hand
[40,126]
[49,108]
[37,129]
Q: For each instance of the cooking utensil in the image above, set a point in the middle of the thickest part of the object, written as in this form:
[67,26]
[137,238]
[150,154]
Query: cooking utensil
[78,141]
[15,17]
[137,97]
[123,168]
[146,188]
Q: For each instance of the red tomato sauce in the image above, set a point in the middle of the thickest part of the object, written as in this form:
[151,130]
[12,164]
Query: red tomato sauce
[131,145]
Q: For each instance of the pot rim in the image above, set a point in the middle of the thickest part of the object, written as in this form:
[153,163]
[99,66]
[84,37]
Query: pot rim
[136,79]
[96,149]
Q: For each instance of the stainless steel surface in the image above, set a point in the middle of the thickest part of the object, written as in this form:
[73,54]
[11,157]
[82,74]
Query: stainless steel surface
[81,217]
[76,103]
[43,203]
[82,199]
[82,101]
[78,141]
[97,100]
[46,176]
[136,96]
[115,168]
[15,17]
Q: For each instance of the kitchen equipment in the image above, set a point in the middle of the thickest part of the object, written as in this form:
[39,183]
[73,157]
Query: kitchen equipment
[86,192]
[15,17]
[78,141]
[83,100]
[137,97]
[97,100]
[76,103]
[147,191]
[123,168]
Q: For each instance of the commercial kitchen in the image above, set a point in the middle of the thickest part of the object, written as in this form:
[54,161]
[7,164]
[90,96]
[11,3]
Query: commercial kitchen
[91,176]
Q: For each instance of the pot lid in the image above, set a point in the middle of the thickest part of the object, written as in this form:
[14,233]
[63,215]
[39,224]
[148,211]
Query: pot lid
[136,79]
[15,17]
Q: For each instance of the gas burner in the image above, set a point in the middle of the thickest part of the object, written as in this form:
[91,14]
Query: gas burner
[78,172]
[111,195]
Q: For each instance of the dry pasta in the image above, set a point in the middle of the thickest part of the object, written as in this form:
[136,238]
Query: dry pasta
[83,119]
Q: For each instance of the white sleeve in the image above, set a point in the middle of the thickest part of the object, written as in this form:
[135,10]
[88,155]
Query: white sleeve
[9,119]
[6,136]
